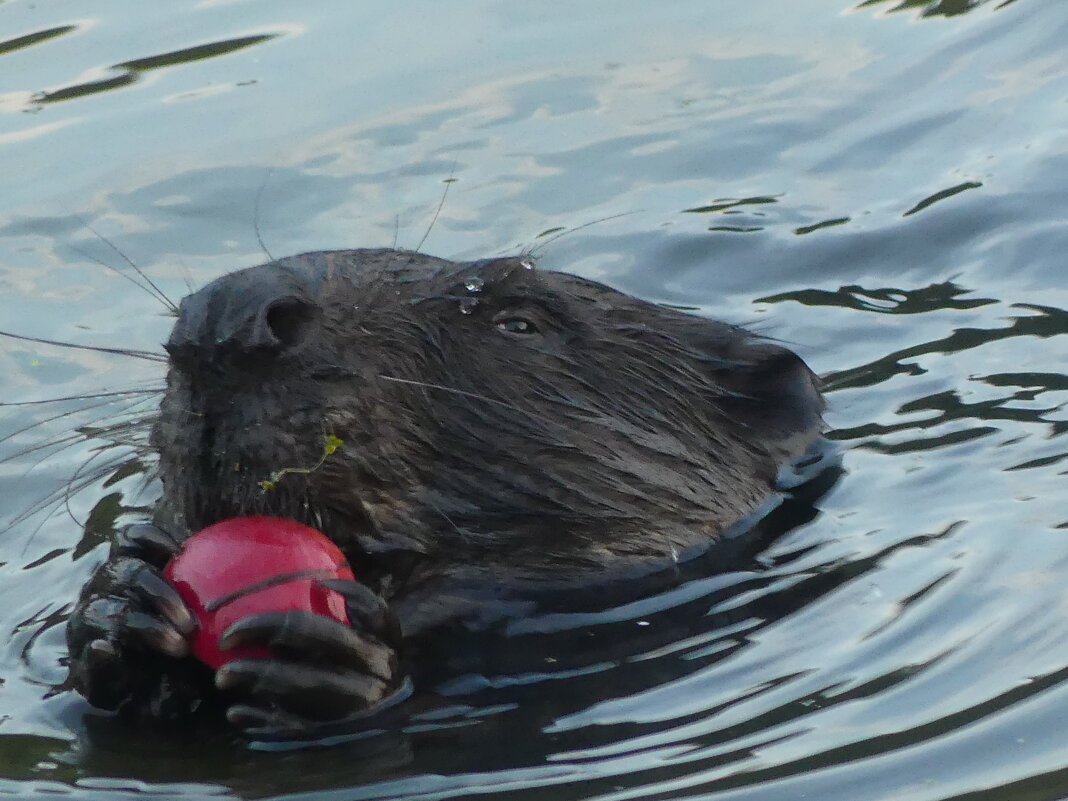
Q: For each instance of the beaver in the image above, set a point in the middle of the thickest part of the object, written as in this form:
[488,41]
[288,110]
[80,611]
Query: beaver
[466,432]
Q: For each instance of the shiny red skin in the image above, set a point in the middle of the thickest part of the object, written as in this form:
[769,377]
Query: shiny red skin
[239,567]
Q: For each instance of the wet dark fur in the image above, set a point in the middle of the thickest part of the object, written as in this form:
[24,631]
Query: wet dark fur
[618,433]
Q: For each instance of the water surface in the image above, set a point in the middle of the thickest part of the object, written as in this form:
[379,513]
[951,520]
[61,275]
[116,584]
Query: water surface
[881,185]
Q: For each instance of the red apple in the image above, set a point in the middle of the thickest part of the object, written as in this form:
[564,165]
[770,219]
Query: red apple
[245,565]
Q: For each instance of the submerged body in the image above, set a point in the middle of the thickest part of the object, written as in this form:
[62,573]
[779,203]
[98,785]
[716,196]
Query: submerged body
[465,432]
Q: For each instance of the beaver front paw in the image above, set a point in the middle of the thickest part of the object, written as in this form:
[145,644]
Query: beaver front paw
[130,631]
[320,671]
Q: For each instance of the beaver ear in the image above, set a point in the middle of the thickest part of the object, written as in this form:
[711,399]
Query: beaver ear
[770,388]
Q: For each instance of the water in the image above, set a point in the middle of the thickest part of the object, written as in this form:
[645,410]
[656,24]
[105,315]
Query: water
[880,185]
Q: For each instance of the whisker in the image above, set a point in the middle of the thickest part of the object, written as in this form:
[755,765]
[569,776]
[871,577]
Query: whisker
[441,203]
[550,240]
[90,257]
[80,475]
[49,449]
[256,215]
[453,390]
[55,496]
[53,499]
[116,394]
[447,519]
[136,354]
[152,288]
[547,422]
[80,410]
[83,432]
[117,450]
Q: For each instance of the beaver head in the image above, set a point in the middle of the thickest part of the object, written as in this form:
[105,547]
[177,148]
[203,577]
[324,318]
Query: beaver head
[481,411]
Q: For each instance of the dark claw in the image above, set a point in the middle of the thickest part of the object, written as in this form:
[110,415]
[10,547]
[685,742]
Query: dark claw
[155,591]
[320,694]
[156,635]
[270,721]
[367,610]
[146,542]
[254,719]
[306,635]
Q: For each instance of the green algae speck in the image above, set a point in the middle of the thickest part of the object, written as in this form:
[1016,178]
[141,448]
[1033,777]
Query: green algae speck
[330,445]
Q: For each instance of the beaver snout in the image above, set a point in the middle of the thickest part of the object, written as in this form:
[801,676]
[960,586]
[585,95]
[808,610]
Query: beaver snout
[260,314]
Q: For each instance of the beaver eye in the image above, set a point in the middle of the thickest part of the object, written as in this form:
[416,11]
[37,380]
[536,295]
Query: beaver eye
[517,325]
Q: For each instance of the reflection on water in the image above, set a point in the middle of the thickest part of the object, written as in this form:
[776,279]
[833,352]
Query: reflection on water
[130,71]
[120,75]
[935,8]
[880,189]
[30,39]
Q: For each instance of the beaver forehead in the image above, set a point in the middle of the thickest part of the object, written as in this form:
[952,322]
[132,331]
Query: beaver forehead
[389,277]
[409,275]
[478,287]
[417,279]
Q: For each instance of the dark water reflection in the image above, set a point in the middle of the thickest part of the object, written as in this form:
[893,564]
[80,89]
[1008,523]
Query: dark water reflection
[935,8]
[881,185]
[129,72]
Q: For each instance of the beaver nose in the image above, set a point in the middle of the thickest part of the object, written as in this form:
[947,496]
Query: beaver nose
[256,314]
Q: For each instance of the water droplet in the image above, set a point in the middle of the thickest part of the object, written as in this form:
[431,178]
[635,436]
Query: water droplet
[474,285]
[467,305]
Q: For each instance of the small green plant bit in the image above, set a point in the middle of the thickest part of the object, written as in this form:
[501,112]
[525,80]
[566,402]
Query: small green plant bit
[330,444]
